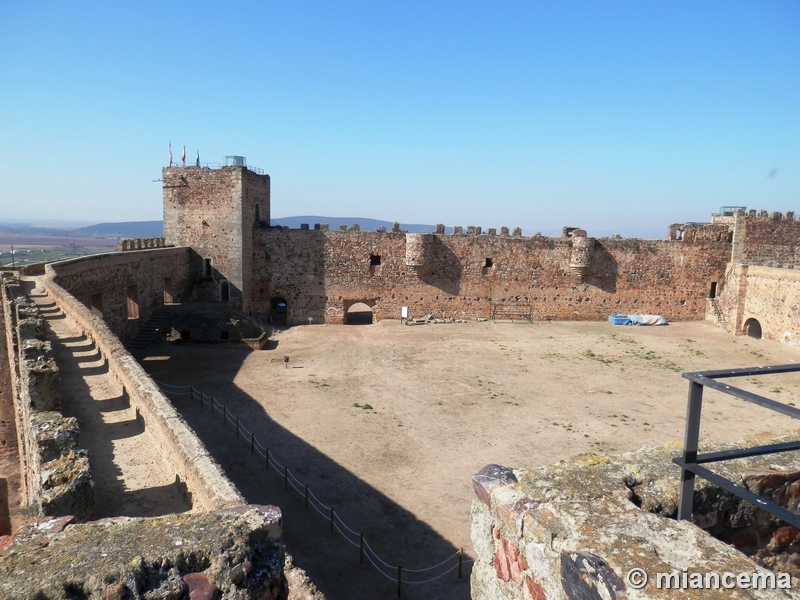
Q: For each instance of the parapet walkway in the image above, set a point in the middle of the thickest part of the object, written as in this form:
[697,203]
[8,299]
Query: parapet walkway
[130,477]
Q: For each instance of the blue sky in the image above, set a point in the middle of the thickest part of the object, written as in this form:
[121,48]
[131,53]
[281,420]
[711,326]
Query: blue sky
[610,116]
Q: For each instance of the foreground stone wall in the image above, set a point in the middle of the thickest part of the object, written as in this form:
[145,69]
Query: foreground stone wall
[206,483]
[321,273]
[109,283]
[233,553]
[55,471]
[575,530]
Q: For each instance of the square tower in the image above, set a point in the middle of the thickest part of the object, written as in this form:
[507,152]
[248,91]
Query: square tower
[214,212]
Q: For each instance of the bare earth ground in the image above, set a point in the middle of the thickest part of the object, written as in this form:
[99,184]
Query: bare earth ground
[445,401]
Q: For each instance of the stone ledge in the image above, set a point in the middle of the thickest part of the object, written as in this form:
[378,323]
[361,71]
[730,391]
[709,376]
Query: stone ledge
[230,553]
[575,529]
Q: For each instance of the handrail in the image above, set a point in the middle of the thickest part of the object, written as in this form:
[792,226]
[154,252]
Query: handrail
[690,461]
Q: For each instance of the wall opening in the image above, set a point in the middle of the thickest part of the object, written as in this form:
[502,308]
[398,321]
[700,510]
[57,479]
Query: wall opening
[374,264]
[224,291]
[206,267]
[96,304]
[359,313]
[132,301]
[258,216]
[488,263]
[185,335]
[168,290]
[753,328]
[713,292]
[224,335]
[279,312]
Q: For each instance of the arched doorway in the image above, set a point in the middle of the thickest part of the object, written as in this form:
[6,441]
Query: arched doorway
[359,313]
[753,328]
[279,310]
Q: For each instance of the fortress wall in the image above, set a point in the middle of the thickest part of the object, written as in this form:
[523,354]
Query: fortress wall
[182,450]
[102,282]
[769,295]
[320,273]
[770,240]
[56,476]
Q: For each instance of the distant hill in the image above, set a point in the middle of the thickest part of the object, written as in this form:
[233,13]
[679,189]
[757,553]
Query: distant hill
[129,229]
[365,224]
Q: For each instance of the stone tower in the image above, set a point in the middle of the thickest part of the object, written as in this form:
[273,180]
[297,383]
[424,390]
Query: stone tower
[214,211]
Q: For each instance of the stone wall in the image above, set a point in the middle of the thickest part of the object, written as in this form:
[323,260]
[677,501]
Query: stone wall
[576,529]
[140,244]
[321,273]
[769,295]
[214,212]
[56,475]
[769,239]
[229,553]
[182,450]
[108,283]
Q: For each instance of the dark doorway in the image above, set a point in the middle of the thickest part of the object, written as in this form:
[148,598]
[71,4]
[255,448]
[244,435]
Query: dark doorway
[168,290]
[753,328]
[279,313]
[359,313]
[713,292]
[224,291]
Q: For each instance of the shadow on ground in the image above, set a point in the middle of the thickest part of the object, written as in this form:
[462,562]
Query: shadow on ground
[330,561]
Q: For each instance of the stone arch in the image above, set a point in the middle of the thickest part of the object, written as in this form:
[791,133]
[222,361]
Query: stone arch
[359,312]
[753,328]
[279,311]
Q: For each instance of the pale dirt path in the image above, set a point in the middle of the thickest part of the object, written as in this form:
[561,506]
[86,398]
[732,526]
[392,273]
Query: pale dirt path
[447,400]
[130,477]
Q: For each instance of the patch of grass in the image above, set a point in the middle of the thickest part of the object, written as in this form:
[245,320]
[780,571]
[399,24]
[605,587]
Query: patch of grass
[363,406]
[552,356]
[756,353]
[790,403]
[598,357]
[776,390]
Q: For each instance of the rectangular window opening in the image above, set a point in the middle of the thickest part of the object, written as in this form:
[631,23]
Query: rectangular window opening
[168,290]
[206,267]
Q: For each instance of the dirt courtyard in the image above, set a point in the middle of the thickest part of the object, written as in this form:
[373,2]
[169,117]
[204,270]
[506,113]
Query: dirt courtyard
[389,422]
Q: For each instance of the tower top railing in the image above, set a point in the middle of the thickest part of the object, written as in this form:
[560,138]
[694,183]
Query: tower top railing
[203,165]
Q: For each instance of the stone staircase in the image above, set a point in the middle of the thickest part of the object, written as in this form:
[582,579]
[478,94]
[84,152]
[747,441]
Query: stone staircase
[719,318]
[152,331]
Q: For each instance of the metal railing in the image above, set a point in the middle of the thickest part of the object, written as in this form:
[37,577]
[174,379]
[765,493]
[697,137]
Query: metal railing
[690,461]
[203,165]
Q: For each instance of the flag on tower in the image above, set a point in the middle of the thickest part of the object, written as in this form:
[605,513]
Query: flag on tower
[197,162]
[170,154]
[183,156]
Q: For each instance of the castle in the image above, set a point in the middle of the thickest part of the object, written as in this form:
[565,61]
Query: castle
[727,271]
[741,271]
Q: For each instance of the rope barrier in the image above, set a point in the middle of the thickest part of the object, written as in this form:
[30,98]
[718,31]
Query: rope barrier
[311,499]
